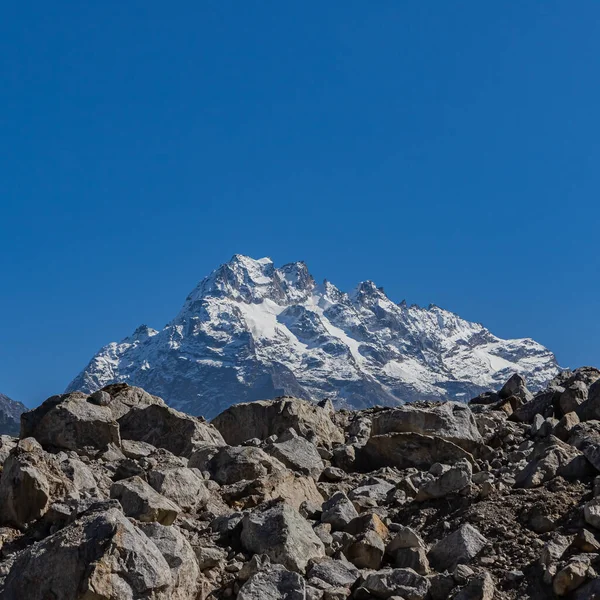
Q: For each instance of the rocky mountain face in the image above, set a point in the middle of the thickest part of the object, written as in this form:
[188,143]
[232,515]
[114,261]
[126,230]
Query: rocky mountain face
[251,331]
[10,415]
[116,495]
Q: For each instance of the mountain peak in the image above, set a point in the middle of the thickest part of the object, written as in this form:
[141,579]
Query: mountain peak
[251,331]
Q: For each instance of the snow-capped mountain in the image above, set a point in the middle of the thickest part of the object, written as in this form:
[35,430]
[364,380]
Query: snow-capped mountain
[251,331]
[10,415]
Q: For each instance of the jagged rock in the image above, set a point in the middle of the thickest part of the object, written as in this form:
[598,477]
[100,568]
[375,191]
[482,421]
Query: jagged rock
[550,458]
[336,573]
[459,547]
[590,409]
[405,450]
[31,479]
[70,422]
[297,454]
[164,427]
[397,582]
[338,511]
[236,463]
[479,588]
[570,577]
[181,485]
[282,534]
[274,584]
[7,443]
[412,558]
[375,488]
[179,556]
[573,396]
[591,512]
[516,386]
[405,537]
[565,426]
[543,404]
[454,479]
[100,556]
[142,502]
[450,421]
[272,417]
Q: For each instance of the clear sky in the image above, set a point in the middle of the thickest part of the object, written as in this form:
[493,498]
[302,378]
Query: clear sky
[449,151]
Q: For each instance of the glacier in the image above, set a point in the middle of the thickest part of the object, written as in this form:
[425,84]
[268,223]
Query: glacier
[252,331]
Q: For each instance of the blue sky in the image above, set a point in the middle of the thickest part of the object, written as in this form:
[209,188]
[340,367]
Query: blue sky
[447,151]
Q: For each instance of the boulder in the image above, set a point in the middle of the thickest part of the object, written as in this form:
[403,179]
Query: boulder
[404,583]
[405,450]
[70,422]
[515,386]
[142,502]
[452,480]
[165,427]
[263,419]
[103,555]
[338,511]
[121,398]
[284,535]
[297,454]
[450,421]
[478,588]
[236,463]
[185,487]
[460,547]
[31,479]
[179,556]
[337,573]
[276,583]
[543,403]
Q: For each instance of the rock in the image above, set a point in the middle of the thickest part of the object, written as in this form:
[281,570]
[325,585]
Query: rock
[333,572]
[397,582]
[282,534]
[124,397]
[338,511]
[70,422]
[405,450]
[573,396]
[31,479]
[516,386]
[374,488]
[7,443]
[479,588]
[104,556]
[549,459]
[262,419]
[142,502]
[164,427]
[569,578]
[275,584]
[565,426]
[553,550]
[459,547]
[236,463]
[183,486]
[450,421]
[367,551]
[542,403]
[412,558]
[590,409]
[179,556]
[405,537]
[297,454]
[453,480]
[586,541]
[591,512]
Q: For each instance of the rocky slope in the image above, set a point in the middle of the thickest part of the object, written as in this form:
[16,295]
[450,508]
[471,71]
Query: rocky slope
[10,415]
[287,499]
[250,331]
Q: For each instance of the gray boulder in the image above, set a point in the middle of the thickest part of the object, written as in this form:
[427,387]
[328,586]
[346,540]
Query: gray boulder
[70,422]
[337,573]
[100,556]
[263,419]
[179,556]
[450,421]
[297,454]
[338,511]
[460,547]
[405,450]
[31,479]
[284,535]
[276,583]
[236,463]
[142,502]
[165,427]
[452,480]
[404,583]
[185,487]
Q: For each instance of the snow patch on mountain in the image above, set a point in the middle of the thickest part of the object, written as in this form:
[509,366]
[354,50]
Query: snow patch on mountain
[250,331]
